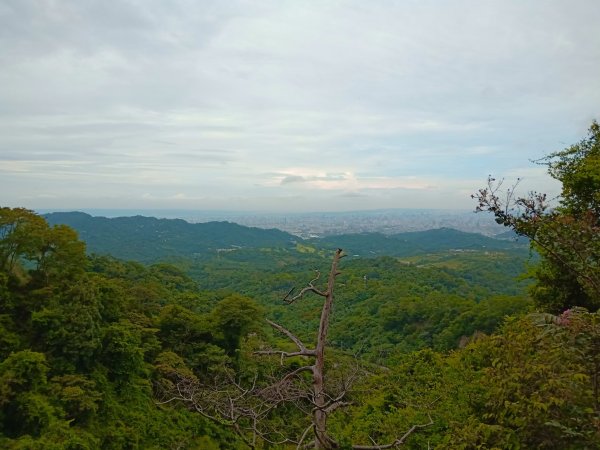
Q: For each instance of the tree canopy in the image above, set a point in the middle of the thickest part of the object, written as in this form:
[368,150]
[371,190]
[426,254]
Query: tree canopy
[89,345]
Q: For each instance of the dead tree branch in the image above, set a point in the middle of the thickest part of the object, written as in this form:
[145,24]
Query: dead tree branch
[303,351]
[309,288]
[247,409]
[398,442]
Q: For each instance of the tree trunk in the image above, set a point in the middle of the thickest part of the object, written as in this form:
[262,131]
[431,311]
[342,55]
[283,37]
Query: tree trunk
[322,440]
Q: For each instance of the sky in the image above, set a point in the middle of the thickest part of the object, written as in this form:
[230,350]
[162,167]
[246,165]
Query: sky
[288,105]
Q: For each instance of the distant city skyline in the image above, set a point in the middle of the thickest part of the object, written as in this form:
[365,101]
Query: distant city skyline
[288,106]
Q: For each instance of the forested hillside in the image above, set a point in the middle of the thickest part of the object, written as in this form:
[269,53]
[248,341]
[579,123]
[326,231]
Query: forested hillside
[448,284]
[147,239]
[92,347]
[416,243]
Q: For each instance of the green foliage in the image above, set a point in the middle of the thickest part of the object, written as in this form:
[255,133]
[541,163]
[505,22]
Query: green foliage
[78,348]
[22,384]
[567,236]
[77,395]
[55,252]
[86,344]
[9,339]
[22,371]
[190,336]
[539,381]
[235,316]
[154,240]
[578,169]
[534,384]
[414,243]
[68,327]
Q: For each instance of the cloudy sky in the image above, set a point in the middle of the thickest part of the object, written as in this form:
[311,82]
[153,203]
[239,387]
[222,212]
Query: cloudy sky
[287,105]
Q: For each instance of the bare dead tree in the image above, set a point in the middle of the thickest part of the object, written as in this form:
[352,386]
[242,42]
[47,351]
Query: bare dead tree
[322,405]
[246,409]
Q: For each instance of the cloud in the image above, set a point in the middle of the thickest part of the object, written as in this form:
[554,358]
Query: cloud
[346,182]
[293,179]
[390,101]
[352,195]
[329,177]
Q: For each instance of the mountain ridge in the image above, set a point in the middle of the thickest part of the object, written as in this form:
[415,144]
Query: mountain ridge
[149,239]
[141,238]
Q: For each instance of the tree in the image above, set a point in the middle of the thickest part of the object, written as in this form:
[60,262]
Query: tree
[538,383]
[235,316]
[20,229]
[567,235]
[51,253]
[248,409]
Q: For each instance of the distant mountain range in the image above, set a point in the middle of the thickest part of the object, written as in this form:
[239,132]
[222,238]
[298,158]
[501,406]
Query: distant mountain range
[319,224]
[416,242]
[148,239]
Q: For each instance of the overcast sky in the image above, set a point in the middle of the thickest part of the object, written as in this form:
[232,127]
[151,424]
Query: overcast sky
[287,105]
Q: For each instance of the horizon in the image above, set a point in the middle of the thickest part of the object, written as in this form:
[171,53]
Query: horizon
[320,223]
[328,106]
[92,211]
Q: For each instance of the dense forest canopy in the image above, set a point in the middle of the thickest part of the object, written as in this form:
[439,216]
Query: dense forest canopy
[93,348]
